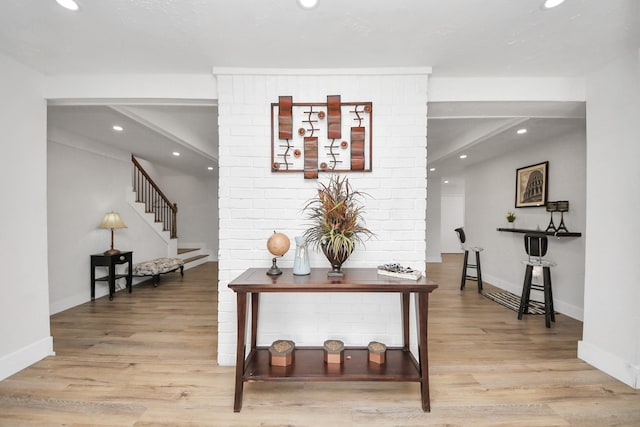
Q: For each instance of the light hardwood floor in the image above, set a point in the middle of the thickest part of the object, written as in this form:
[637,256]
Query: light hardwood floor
[149,359]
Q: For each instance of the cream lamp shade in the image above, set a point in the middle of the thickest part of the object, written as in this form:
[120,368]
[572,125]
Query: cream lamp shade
[112,220]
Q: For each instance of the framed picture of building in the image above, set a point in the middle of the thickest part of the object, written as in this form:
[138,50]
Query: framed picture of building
[531,185]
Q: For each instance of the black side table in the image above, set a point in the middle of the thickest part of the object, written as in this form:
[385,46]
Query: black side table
[110,261]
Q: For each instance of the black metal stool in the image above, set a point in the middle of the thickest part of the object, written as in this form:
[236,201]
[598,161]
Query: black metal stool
[466,265]
[536,247]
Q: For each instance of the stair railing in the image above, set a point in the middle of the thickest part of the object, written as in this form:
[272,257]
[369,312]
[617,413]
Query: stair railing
[154,200]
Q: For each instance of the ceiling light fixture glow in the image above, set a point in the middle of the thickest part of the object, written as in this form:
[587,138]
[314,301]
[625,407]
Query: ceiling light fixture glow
[308,4]
[521,131]
[432,169]
[68,4]
[549,4]
[463,156]
[117,128]
[175,153]
[446,182]
[210,168]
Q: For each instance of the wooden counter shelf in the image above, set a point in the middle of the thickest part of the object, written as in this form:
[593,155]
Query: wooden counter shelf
[545,233]
[309,365]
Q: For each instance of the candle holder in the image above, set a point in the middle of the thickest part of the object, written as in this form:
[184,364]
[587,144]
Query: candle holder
[551,208]
[563,206]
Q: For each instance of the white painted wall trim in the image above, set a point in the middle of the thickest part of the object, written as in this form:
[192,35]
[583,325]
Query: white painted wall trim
[25,357]
[610,364]
[401,71]
[506,89]
[128,86]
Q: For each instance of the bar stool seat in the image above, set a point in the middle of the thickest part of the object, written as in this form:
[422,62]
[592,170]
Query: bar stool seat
[466,265]
[536,248]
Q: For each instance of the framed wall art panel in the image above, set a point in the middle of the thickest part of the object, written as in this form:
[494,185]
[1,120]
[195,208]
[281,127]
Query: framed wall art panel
[531,185]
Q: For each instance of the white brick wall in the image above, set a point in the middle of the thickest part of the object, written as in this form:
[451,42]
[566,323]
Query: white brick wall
[254,202]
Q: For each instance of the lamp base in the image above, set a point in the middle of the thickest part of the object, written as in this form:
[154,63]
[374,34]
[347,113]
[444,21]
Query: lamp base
[112,252]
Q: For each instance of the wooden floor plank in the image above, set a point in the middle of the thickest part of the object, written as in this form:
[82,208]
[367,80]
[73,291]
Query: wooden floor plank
[149,359]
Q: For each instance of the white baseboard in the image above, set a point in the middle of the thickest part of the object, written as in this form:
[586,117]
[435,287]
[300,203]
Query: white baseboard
[67,303]
[102,289]
[226,360]
[610,364]
[25,357]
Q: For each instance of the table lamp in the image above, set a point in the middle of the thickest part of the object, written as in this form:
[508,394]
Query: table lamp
[112,220]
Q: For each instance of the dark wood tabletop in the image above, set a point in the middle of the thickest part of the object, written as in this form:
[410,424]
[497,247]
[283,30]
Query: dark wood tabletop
[354,280]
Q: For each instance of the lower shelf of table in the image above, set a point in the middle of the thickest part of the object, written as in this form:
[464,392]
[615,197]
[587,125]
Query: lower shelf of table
[116,277]
[308,365]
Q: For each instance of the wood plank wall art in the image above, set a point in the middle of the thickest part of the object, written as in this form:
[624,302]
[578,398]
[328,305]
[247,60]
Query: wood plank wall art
[310,137]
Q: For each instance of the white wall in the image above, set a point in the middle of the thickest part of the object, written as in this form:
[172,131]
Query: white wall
[611,337]
[24,306]
[254,202]
[489,194]
[433,220]
[197,200]
[452,217]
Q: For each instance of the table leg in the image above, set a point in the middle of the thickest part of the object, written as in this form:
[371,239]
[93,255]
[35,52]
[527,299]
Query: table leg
[112,279]
[405,320]
[255,302]
[93,281]
[422,311]
[241,339]
[130,275]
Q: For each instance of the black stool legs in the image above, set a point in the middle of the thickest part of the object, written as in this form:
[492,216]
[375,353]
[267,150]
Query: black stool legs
[549,312]
[479,271]
[466,265]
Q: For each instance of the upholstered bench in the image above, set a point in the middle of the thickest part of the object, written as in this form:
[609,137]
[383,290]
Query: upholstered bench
[158,266]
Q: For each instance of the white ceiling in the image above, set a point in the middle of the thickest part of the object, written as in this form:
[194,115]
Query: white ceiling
[511,38]
[455,37]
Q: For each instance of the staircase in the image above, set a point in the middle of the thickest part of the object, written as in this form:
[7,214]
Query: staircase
[156,209]
[155,202]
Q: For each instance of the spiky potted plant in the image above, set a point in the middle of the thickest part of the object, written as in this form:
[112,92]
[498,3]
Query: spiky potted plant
[336,221]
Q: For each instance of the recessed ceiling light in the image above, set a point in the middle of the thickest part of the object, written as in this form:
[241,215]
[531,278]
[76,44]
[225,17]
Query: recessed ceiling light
[463,156]
[210,168]
[432,169]
[68,4]
[117,128]
[521,131]
[548,4]
[308,4]
[446,182]
[175,153]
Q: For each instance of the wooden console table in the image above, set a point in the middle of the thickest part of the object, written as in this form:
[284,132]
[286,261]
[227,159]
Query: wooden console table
[309,364]
[110,261]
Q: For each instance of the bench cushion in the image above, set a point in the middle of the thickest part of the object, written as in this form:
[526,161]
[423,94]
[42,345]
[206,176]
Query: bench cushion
[157,266]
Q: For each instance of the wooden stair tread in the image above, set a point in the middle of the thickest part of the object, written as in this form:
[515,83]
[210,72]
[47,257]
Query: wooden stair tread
[194,258]
[185,250]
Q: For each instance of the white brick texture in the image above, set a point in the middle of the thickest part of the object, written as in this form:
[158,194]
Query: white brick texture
[254,202]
